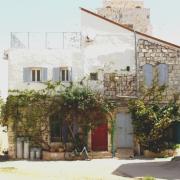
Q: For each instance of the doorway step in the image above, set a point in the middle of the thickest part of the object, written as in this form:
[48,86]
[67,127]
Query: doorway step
[100,154]
[124,153]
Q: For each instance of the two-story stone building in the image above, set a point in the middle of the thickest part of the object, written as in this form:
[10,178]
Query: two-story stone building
[107,52]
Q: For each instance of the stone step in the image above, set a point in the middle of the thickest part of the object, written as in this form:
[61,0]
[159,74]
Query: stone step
[124,153]
[100,154]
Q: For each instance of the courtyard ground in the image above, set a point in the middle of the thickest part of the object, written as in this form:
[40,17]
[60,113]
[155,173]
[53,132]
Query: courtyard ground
[99,169]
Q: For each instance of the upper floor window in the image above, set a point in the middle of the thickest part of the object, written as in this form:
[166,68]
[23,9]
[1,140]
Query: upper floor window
[63,74]
[34,74]
[148,74]
[162,74]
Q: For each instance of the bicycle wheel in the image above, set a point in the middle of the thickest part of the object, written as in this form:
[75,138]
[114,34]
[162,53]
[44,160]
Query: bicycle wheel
[68,156]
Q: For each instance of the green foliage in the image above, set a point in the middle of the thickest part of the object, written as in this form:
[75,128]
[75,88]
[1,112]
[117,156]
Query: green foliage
[89,107]
[1,106]
[152,118]
[29,110]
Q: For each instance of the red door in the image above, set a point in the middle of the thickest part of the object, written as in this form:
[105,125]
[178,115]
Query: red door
[100,138]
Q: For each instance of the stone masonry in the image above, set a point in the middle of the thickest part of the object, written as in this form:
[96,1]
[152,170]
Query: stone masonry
[148,52]
[154,53]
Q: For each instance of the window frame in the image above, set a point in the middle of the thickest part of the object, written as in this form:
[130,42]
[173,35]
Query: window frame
[95,74]
[66,74]
[56,119]
[36,75]
[55,138]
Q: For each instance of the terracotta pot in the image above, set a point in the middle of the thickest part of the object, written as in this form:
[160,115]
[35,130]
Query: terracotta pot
[150,154]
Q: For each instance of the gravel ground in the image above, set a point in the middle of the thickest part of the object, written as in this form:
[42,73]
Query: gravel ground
[99,169]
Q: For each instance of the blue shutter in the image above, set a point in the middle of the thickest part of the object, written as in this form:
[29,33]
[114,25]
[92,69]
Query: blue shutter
[44,74]
[70,74]
[27,74]
[56,74]
[148,74]
[162,74]
[60,74]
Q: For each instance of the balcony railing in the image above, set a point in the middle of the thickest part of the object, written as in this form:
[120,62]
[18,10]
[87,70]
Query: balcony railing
[48,40]
[120,85]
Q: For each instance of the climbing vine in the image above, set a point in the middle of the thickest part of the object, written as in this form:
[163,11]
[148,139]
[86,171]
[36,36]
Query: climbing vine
[28,111]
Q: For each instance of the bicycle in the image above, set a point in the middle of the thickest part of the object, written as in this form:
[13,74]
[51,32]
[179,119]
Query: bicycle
[75,154]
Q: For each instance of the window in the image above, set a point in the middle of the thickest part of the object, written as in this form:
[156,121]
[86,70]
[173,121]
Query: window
[59,131]
[162,74]
[56,131]
[127,68]
[36,75]
[94,76]
[148,74]
[62,74]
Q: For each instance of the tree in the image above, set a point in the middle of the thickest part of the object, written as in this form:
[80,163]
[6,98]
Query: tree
[152,118]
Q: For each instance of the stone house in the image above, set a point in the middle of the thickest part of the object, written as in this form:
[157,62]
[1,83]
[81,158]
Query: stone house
[116,59]
[130,13]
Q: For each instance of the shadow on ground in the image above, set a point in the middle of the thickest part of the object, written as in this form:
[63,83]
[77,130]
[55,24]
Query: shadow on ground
[162,170]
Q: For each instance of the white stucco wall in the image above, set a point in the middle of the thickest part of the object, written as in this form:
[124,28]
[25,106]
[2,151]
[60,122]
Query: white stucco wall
[111,49]
[3,77]
[20,58]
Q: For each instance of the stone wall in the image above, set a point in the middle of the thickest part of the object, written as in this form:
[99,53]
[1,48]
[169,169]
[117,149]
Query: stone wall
[12,143]
[130,13]
[154,53]
[120,85]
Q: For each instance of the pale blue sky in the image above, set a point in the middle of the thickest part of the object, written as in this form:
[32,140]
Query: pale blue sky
[64,15]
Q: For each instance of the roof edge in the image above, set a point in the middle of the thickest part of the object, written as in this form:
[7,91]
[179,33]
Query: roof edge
[129,29]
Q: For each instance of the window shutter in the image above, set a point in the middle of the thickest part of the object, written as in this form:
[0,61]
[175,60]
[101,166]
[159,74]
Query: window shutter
[70,73]
[56,74]
[148,74]
[60,74]
[162,74]
[44,74]
[27,74]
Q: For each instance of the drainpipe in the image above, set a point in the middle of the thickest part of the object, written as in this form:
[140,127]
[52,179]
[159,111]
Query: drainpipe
[137,68]
[136,61]
[112,138]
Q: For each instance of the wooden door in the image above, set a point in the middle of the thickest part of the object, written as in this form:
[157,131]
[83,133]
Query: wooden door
[100,138]
[124,131]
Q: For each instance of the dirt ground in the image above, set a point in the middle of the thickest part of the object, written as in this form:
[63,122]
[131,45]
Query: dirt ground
[99,169]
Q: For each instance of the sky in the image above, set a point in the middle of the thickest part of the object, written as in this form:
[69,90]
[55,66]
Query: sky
[64,15]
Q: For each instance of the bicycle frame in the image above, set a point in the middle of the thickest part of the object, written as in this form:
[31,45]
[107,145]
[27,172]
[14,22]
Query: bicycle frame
[75,153]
